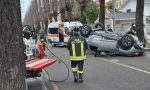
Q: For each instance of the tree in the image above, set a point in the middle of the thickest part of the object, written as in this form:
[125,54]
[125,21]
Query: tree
[62,10]
[83,4]
[92,12]
[69,5]
[110,7]
[102,12]
[12,63]
[76,15]
[139,20]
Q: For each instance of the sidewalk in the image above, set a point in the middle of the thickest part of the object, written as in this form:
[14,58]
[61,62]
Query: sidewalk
[40,83]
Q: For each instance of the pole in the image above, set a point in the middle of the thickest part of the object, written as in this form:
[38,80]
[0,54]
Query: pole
[113,15]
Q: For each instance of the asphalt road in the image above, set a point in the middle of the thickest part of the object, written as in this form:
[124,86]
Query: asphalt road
[104,73]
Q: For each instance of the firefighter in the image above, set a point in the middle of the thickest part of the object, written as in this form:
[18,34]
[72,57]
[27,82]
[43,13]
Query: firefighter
[132,29]
[109,29]
[77,46]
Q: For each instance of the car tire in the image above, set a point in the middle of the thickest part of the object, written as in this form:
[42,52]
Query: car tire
[126,42]
[85,30]
[53,45]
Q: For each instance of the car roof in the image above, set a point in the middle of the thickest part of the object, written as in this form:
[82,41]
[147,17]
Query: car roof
[53,25]
[66,24]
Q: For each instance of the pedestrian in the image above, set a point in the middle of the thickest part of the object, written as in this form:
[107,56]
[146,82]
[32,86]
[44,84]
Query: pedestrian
[109,29]
[61,33]
[42,39]
[77,46]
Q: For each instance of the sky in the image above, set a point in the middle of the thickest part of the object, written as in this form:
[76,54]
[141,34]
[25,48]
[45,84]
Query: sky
[24,7]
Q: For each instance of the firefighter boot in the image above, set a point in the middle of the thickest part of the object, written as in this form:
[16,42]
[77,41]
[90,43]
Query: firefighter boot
[81,77]
[75,76]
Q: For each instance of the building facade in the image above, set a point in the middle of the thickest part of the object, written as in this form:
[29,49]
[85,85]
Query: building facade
[119,3]
[130,6]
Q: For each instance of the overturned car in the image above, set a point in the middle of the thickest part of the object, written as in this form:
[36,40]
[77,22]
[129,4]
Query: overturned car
[101,40]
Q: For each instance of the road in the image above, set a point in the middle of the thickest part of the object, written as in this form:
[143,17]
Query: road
[104,73]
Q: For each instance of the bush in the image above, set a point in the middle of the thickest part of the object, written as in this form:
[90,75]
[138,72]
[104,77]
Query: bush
[92,12]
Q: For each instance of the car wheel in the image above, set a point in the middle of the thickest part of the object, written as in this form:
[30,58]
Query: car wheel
[53,45]
[49,41]
[126,42]
[85,30]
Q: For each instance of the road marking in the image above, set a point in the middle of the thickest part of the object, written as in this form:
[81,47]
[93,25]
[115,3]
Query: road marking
[115,60]
[127,66]
[55,87]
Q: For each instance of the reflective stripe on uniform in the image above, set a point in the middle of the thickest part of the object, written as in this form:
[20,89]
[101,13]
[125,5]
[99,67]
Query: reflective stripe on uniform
[82,50]
[80,72]
[77,51]
[78,58]
[73,50]
[75,69]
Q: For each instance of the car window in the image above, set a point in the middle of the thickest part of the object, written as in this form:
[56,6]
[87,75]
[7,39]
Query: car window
[53,30]
[67,31]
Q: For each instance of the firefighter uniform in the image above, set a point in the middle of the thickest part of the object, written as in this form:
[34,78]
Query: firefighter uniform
[77,46]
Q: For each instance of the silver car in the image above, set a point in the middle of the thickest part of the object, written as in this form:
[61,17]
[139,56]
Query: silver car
[101,40]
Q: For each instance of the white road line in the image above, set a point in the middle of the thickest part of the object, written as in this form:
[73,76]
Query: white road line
[115,60]
[127,66]
[55,87]
[148,55]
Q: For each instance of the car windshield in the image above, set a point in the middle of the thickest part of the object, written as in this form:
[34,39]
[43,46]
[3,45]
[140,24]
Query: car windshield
[53,30]
[69,30]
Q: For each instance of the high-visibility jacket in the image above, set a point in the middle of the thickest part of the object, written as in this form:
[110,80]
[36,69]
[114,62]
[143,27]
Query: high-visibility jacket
[77,46]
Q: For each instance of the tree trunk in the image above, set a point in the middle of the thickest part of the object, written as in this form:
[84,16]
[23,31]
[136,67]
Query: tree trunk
[46,25]
[139,20]
[50,17]
[69,6]
[55,16]
[69,14]
[63,17]
[83,4]
[102,12]
[12,63]
[83,13]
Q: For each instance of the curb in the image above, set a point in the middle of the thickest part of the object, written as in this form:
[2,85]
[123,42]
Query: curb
[54,86]
[40,83]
